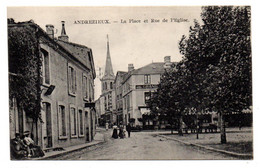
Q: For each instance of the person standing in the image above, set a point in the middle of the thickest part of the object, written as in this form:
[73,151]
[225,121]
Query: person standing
[121,131]
[106,126]
[115,135]
[128,129]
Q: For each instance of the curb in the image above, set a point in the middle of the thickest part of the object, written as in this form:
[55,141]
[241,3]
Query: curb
[246,156]
[68,151]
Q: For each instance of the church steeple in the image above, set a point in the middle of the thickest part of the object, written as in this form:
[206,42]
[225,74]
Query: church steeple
[63,35]
[109,74]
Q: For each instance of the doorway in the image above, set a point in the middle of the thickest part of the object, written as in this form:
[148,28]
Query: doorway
[47,126]
[87,126]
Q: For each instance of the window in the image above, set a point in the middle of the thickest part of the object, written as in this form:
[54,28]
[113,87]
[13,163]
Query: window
[147,79]
[128,102]
[128,117]
[105,103]
[92,92]
[85,87]
[81,129]
[62,121]
[111,85]
[73,121]
[147,97]
[46,67]
[91,97]
[105,86]
[72,80]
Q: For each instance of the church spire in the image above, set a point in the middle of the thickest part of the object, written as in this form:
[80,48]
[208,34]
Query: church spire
[108,69]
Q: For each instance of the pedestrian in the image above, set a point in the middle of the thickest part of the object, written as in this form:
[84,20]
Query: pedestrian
[121,131]
[128,129]
[115,135]
[106,126]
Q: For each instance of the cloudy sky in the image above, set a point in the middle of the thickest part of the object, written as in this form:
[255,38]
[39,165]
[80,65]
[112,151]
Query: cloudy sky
[137,43]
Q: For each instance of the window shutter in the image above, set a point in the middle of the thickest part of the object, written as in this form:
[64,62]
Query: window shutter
[69,79]
[75,82]
[60,120]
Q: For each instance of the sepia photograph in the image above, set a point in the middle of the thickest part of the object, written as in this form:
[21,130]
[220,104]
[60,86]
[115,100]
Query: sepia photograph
[130,83]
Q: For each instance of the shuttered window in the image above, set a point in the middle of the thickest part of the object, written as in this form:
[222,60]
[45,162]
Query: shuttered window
[72,80]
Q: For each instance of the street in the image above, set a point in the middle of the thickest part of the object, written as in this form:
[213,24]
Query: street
[142,146]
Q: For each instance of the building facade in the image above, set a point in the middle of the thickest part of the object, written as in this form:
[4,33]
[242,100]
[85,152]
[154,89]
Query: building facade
[68,115]
[119,97]
[138,85]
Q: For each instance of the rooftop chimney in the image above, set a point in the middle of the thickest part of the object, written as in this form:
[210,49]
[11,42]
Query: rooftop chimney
[130,67]
[63,35]
[167,62]
[50,30]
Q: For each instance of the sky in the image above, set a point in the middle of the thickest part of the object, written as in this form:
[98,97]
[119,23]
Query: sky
[136,43]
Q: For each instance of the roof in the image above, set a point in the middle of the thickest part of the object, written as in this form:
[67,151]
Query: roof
[152,68]
[120,73]
[81,52]
[58,43]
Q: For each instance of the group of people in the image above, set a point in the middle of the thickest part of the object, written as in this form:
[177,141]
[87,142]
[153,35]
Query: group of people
[22,147]
[120,131]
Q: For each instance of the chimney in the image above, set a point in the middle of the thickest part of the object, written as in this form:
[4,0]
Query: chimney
[63,35]
[50,30]
[167,62]
[130,67]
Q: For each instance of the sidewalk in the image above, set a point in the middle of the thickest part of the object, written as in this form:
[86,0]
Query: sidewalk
[239,142]
[98,139]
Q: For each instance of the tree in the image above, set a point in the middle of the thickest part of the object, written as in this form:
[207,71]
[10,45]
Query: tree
[169,100]
[217,56]
[24,69]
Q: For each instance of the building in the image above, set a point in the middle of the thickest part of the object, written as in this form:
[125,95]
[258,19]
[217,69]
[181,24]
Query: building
[107,97]
[119,97]
[138,85]
[67,92]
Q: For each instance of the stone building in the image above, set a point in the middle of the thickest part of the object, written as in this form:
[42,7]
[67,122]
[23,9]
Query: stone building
[138,85]
[67,97]
[119,97]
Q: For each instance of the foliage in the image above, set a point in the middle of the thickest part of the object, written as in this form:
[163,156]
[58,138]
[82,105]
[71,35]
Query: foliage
[215,72]
[24,63]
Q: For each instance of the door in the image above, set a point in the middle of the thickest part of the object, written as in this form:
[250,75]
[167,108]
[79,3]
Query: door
[91,124]
[86,126]
[47,125]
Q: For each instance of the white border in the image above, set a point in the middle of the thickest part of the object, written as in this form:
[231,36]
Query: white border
[151,164]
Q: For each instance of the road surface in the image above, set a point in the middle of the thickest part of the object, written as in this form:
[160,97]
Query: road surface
[142,146]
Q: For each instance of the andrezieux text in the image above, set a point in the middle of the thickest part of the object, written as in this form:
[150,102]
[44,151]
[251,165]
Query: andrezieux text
[91,22]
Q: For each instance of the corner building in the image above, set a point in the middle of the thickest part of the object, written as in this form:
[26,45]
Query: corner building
[138,85]
[67,97]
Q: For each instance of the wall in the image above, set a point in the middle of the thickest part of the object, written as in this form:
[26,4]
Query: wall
[138,98]
[59,78]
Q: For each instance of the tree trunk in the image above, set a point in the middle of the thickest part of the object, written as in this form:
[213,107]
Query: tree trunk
[197,125]
[222,129]
[180,126]
[171,128]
